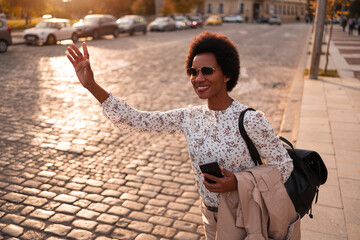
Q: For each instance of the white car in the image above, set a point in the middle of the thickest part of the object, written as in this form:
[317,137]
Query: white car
[50,31]
[233,18]
[275,20]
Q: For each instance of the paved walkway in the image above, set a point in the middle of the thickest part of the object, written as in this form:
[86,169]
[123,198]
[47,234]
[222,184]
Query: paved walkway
[330,124]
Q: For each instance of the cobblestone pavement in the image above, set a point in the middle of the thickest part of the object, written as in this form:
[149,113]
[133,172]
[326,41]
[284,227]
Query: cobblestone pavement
[67,173]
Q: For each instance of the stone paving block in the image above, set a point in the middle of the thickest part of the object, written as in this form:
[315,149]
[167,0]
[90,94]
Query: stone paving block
[104,229]
[86,224]
[158,202]
[47,194]
[99,207]
[174,214]
[353,231]
[141,226]
[111,193]
[172,191]
[65,198]
[158,220]
[139,216]
[13,188]
[13,230]
[58,229]
[327,220]
[47,174]
[350,188]
[313,235]
[31,235]
[90,189]
[82,203]
[178,206]
[133,205]
[14,197]
[186,235]
[88,214]
[34,224]
[31,183]
[112,201]
[12,218]
[154,210]
[120,211]
[94,197]
[62,218]
[123,234]
[163,231]
[195,218]
[144,236]
[186,226]
[67,208]
[35,201]
[42,214]
[11,207]
[80,234]
[107,218]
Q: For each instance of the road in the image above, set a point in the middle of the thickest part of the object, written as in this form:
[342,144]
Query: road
[66,172]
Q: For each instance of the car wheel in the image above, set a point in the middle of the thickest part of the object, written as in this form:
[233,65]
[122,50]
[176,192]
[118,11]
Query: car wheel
[131,32]
[145,31]
[51,40]
[95,35]
[3,46]
[74,37]
[116,33]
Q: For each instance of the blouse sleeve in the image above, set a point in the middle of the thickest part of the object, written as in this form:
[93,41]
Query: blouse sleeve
[129,118]
[268,144]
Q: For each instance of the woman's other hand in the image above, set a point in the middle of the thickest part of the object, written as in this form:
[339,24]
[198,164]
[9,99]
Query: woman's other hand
[228,183]
[81,64]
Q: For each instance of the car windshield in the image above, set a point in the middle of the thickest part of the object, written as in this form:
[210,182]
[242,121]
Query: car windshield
[194,18]
[125,20]
[160,20]
[91,20]
[46,25]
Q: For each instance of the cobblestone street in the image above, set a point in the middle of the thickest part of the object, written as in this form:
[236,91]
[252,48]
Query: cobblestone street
[67,173]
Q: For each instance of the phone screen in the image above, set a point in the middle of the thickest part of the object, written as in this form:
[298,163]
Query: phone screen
[211,168]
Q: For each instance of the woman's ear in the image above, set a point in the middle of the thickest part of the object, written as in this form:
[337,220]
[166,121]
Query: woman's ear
[226,80]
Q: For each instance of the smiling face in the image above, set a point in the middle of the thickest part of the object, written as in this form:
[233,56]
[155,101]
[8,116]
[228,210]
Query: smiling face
[213,86]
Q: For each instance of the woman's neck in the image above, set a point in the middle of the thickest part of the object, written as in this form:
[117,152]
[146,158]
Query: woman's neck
[220,105]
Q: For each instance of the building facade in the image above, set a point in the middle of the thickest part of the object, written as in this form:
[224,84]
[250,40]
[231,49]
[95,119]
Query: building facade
[258,10]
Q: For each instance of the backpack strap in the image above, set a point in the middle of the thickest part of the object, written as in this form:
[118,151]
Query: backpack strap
[251,147]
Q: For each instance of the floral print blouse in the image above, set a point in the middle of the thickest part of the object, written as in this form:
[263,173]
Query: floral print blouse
[210,135]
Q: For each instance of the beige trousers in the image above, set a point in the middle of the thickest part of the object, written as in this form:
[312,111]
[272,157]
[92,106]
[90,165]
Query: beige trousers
[209,221]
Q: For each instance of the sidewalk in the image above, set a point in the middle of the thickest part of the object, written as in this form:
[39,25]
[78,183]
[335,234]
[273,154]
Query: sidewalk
[330,124]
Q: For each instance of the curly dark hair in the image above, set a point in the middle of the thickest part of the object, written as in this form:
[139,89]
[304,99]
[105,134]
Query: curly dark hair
[224,51]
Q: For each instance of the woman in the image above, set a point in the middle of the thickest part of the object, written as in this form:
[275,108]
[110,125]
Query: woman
[211,130]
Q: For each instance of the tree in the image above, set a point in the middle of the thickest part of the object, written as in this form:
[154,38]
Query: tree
[143,7]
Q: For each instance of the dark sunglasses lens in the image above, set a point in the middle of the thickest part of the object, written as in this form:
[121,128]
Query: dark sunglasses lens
[207,70]
[191,72]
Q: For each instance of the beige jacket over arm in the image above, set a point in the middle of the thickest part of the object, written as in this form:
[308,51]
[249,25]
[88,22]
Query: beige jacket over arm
[260,209]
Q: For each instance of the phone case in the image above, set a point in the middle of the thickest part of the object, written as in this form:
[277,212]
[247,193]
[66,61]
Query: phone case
[211,168]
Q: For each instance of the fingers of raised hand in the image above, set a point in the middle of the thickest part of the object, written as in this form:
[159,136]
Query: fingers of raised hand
[75,56]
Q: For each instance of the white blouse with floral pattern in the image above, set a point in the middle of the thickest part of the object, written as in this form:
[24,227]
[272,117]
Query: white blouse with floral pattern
[211,136]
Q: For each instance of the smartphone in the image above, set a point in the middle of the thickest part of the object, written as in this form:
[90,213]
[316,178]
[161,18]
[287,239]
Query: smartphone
[211,168]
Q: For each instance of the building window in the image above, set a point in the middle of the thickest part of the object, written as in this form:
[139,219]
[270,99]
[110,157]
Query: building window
[221,8]
[284,10]
[241,8]
[288,11]
[267,9]
[209,8]
[302,11]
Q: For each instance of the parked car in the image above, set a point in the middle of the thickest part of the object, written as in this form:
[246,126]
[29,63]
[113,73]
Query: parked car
[275,20]
[50,31]
[183,22]
[213,20]
[97,25]
[5,35]
[162,24]
[131,24]
[196,21]
[233,19]
[262,19]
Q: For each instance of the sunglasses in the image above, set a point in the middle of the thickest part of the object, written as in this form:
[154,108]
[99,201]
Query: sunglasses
[193,72]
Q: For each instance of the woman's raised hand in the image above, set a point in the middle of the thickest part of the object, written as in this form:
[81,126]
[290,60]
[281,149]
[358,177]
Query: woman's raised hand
[81,64]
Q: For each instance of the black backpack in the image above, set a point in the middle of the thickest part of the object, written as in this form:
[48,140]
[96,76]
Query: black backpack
[309,172]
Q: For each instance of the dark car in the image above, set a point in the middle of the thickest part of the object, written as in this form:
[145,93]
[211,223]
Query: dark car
[97,25]
[131,24]
[5,35]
